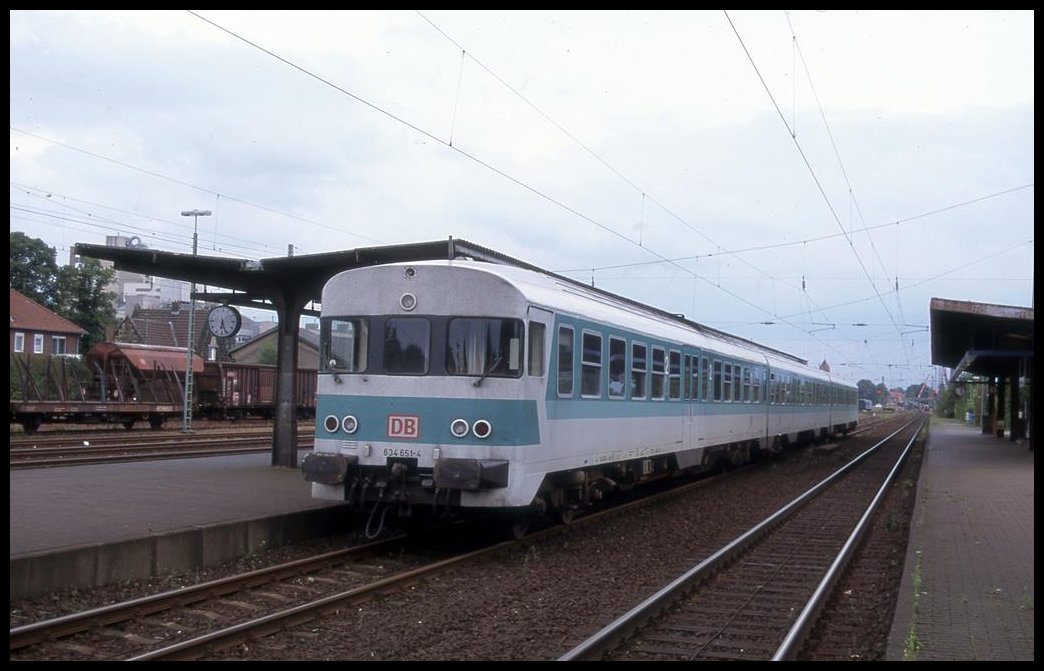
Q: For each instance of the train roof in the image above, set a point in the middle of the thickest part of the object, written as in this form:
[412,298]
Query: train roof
[564,294]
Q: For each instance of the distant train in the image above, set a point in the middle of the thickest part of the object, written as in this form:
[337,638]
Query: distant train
[470,386]
[126,383]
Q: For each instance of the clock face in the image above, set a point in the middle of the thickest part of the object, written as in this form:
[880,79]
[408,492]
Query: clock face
[224,321]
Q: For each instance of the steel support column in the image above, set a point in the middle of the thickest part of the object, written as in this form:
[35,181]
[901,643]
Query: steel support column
[289,307]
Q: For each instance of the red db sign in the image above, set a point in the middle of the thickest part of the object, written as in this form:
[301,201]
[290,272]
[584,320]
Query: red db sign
[403,426]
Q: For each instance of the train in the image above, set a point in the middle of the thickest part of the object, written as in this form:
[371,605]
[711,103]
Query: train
[463,386]
[126,383]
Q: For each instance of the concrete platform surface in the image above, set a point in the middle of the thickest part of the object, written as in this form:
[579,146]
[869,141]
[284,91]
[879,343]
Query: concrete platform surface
[58,508]
[78,527]
[967,590]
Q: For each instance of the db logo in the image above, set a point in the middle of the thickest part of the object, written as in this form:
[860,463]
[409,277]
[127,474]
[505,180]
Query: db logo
[403,426]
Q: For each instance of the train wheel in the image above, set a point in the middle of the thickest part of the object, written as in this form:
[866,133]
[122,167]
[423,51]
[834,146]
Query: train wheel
[565,515]
[31,424]
[128,423]
[520,527]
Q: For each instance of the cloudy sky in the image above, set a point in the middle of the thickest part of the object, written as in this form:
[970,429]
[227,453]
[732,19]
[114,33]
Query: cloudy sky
[806,179]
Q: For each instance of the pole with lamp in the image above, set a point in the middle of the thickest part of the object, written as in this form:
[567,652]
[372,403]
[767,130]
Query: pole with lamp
[186,418]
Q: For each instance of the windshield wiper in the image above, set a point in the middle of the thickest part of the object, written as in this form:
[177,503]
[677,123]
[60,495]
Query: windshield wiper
[485,373]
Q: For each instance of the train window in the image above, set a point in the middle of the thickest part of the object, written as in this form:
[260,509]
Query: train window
[487,347]
[717,380]
[638,369]
[617,367]
[591,365]
[746,384]
[343,342]
[689,377]
[756,386]
[659,373]
[407,345]
[536,349]
[565,361]
[726,382]
[674,375]
[708,380]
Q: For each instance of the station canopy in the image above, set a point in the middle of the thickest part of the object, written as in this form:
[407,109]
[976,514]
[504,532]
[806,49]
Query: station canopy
[981,338]
[262,283]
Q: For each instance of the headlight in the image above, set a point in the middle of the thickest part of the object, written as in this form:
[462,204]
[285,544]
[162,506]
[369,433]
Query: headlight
[459,428]
[330,423]
[481,428]
[349,424]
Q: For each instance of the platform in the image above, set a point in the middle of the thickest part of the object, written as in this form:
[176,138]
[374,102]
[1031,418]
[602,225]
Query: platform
[967,591]
[76,526]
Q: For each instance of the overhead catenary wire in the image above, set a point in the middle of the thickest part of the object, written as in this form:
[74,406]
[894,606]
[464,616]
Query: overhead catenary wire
[471,156]
[728,280]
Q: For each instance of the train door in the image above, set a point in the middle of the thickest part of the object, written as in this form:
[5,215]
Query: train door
[701,419]
[539,332]
[691,397]
[539,328]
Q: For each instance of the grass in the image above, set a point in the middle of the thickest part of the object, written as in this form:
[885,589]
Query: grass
[913,644]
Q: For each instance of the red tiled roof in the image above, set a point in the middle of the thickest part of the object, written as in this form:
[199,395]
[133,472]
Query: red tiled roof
[169,328]
[27,314]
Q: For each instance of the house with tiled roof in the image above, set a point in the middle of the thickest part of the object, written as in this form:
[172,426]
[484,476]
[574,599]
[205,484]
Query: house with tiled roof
[168,327]
[36,331]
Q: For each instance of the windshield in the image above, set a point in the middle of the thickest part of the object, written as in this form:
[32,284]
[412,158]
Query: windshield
[484,346]
[343,345]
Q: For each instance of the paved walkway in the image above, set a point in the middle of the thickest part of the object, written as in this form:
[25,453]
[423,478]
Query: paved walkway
[55,509]
[967,589]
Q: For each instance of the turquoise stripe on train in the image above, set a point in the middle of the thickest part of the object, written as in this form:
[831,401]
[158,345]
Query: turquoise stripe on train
[514,422]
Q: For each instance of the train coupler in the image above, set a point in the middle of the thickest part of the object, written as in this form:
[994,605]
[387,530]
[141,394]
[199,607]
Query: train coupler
[327,469]
[470,474]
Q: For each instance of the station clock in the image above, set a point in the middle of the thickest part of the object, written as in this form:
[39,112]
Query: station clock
[224,321]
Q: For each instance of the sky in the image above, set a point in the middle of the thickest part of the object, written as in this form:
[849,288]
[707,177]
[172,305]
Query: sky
[805,179]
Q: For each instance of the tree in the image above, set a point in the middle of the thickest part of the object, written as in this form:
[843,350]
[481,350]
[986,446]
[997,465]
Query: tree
[877,393]
[33,269]
[268,353]
[945,406]
[75,292]
[83,299]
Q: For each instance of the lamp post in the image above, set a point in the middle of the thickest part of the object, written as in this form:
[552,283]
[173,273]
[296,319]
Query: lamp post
[186,417]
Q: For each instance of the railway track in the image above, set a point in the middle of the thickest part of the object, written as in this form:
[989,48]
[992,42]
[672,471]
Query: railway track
[757,598]
[188,623]
[92,631]
[110,436]
[81,449]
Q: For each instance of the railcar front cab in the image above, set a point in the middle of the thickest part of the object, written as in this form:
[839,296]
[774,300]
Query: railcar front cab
[422,409]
